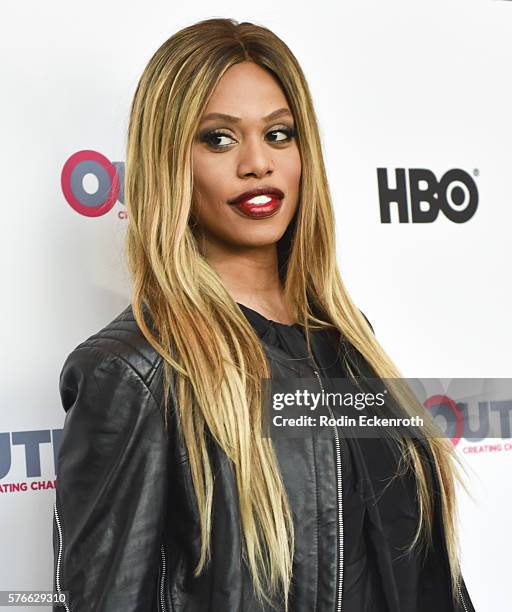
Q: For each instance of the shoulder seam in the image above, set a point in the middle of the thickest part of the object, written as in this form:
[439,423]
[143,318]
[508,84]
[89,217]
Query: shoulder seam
[84,346]
[102,336]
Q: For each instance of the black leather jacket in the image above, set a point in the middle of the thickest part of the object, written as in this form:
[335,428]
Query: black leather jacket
[126,534]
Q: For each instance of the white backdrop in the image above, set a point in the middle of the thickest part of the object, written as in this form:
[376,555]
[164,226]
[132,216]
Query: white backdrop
[396,84]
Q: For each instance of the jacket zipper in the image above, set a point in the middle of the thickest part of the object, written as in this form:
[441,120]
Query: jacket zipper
[162,579]
[462,597]
[339,482]
[59,557]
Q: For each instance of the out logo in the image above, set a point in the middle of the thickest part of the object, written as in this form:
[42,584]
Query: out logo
[490,419]
[32,441]
[455,194]
[110,178]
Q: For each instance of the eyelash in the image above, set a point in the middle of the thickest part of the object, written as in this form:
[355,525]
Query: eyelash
[208,135]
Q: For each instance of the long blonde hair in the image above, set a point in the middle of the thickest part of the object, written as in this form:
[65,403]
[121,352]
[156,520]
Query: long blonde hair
[213,359]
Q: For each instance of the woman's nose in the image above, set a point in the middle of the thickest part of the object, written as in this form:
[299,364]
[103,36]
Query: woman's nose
[255,158]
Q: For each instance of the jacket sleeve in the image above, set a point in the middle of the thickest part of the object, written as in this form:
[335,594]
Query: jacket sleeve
[111,486]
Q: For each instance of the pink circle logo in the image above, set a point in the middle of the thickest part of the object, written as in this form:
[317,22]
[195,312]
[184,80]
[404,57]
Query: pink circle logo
[110,177]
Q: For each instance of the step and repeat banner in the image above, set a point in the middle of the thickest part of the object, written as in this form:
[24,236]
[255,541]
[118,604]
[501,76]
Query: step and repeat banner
[413,100]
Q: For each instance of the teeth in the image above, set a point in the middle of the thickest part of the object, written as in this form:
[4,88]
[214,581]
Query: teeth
[261,199]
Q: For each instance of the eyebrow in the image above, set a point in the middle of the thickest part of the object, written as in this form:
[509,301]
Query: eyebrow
[274,115]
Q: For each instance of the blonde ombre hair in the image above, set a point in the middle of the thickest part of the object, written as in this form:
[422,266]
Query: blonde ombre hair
[213,359]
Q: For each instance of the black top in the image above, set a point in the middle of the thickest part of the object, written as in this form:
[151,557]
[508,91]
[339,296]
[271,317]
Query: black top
[374,541]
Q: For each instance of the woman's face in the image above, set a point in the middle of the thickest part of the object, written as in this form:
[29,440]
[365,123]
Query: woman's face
[252,145]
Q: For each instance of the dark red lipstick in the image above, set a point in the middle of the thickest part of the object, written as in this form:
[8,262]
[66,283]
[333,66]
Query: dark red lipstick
[258,203]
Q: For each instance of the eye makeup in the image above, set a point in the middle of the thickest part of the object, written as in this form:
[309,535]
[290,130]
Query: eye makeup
[208,136]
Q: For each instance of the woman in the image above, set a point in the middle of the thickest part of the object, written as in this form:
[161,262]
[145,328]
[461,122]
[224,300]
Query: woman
[169,497]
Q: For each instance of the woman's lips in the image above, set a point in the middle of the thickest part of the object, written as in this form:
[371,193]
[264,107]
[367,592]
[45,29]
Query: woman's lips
[259,207]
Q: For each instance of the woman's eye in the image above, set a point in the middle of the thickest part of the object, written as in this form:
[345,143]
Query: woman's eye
[212,139]
[289,133]
[220,140]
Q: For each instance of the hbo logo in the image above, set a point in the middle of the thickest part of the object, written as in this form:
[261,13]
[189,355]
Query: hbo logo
[455,194]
